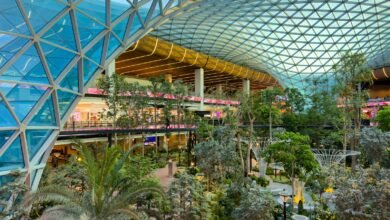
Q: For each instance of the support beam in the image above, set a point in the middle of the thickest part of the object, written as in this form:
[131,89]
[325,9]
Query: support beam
[246,86]
[110,70]
[199,85]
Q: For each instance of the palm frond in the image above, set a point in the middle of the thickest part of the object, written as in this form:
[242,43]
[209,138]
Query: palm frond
[62,212]
[114,214]
[52,193]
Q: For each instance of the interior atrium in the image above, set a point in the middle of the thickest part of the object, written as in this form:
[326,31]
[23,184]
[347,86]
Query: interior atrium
[212,109]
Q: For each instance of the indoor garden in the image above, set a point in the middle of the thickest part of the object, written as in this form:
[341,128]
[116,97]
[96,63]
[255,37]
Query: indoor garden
[280,154]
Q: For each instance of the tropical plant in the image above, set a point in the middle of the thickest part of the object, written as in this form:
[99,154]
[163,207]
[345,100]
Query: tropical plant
[217,157]
[295,101]
[373,143]
[383,118]
[10,194]
[257,107]
[187,197]
[114,88]
[362,194]
[321,114]
[109,194]
[255,204]
[293,150]
[351,72]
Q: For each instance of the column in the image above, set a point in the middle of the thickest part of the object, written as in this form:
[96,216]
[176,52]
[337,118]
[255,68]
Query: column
[168,78]
[199,85]
[246,86]
[110,69]
[219,90]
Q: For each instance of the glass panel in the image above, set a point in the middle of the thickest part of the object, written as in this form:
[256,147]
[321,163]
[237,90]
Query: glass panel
[65,99]
[120,29]
[11,19]
[35,140]
[95,53]
[27,68]
[113,44]
[56,58]
[89,70]
[144,9]
[156,11]
[94,8]
[9,46]
[88,28]
[6,119]
[12,157]
[41,12]
[4,180]
[4,136]
[71,81]
[62,33]
[136,25]
[118,7]
[45,116]
[164,3]
[22,97]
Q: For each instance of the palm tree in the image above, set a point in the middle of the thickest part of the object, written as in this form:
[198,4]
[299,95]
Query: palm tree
[110,192]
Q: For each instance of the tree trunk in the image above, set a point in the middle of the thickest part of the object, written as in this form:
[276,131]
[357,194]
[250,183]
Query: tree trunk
[240,153]
[250,146]
[270,122]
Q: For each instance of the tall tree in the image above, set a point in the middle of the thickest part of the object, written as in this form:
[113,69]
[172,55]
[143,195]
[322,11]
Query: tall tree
[351,73]
[270,98]
[293,150]
[188,199]
[114,89]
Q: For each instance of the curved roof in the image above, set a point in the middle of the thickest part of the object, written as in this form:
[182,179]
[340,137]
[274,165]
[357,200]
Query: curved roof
[292,40]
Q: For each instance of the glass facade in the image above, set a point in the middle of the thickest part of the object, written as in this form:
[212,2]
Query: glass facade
[49,52]
[295,41]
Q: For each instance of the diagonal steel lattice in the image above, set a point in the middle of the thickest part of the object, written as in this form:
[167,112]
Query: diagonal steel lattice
[328,157]
[50,51]
[295,41]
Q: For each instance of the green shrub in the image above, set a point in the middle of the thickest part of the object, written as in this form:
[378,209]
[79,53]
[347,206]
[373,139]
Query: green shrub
[256,169]
[269,171]
[262,181]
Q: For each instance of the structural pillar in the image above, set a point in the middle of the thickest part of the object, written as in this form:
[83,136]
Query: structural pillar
[219,90]
[246,86]
[199,85]
[110,69]
[168,78]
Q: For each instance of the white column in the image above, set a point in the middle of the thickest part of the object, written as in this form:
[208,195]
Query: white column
[246,86]
[199,85]
[110,70]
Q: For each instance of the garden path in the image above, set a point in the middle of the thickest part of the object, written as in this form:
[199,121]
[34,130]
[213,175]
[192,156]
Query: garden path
[163,176]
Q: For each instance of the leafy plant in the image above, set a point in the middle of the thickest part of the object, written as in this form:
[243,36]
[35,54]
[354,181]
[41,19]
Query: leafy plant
[110,189]
[255,204]
[383,118]
[373,143]
[187,198]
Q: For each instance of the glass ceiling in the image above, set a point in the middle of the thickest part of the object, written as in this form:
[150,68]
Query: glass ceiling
[50,51]
[296,41]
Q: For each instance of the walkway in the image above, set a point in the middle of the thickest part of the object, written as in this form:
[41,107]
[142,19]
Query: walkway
[162,175]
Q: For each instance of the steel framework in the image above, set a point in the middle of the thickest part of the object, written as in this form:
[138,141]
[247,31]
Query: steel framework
[327,157]
[50,51]
[295,41]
